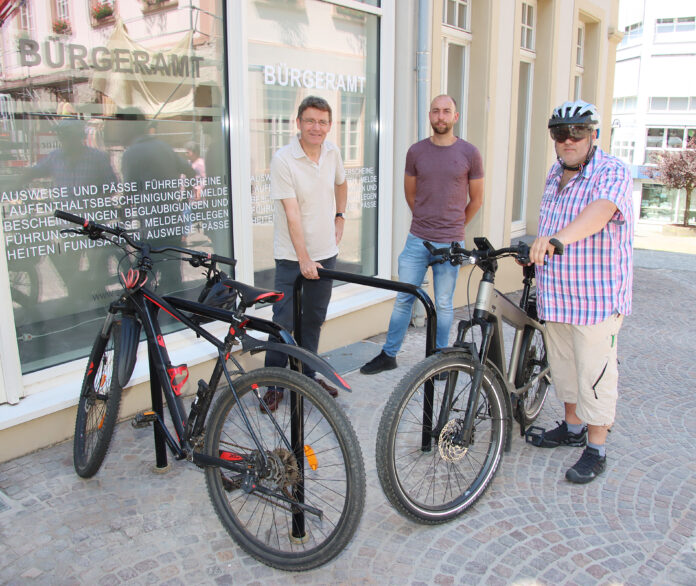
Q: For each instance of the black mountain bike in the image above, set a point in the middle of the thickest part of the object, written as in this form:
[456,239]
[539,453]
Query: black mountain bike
[288,485]
[447,422]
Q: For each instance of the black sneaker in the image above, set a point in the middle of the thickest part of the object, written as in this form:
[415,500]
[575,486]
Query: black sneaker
[379,363]
[587,468]
[560,436]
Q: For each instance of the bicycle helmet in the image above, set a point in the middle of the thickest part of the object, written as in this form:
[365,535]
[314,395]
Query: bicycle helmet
[577,112]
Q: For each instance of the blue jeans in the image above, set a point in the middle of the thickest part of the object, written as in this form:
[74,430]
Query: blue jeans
[413,264]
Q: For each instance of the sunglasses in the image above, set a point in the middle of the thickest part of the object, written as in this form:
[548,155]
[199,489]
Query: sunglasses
[574,132]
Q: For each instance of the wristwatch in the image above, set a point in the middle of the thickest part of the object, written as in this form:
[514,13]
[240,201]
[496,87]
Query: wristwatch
[340,215]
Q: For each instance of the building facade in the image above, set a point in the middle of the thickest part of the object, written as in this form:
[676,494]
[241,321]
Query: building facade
[655,98]
[228,76]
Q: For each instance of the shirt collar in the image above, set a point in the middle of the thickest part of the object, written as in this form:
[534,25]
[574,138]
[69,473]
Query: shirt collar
[587,170]
[298,152]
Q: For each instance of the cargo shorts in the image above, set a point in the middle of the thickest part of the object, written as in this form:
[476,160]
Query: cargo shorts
[584,367]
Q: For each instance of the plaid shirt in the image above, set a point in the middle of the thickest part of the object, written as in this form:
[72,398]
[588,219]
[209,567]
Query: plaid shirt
[593,278]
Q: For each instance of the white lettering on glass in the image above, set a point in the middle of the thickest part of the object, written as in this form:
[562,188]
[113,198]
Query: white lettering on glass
[283,75]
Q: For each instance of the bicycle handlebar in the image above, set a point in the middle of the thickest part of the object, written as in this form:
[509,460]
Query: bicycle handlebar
[95,231]
[455,254]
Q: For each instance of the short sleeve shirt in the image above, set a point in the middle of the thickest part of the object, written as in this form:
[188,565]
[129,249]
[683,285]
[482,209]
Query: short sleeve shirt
[594,276]
[295,175]
[442,187]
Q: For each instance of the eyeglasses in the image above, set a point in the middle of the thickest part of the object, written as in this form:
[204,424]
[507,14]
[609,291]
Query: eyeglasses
[312,122]
[574,132]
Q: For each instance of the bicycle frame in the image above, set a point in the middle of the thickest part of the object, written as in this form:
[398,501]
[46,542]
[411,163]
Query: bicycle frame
[491,310]
[138,306]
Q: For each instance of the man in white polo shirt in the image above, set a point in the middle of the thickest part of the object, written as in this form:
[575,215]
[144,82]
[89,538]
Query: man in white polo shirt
[309,189]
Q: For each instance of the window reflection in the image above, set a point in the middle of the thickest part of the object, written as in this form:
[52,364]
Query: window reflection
[119,118]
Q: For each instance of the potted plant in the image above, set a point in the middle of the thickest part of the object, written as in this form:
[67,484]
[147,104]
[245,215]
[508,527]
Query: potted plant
[61,26]
[102,10]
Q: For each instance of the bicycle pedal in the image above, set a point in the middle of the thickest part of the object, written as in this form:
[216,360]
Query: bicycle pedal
[534,435]
[143,419]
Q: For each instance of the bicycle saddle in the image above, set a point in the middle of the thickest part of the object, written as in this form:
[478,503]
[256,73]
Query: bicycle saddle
[251,295]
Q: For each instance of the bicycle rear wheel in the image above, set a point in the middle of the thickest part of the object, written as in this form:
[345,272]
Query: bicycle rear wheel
[436,480]
[97,409]
[327,467]
[532,361]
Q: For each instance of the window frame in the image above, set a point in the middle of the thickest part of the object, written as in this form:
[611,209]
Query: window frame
[457,5]
[518,226]
[527,30]
[457,37]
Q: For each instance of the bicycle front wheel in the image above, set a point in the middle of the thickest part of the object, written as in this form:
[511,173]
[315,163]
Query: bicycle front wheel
[532,362]
[427,471]
[303,509]
[97,409]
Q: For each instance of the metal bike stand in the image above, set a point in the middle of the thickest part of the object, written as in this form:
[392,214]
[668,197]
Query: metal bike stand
[161,465]
[430,339]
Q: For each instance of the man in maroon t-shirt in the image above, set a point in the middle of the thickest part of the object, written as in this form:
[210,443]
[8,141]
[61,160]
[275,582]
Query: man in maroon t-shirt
[444,189]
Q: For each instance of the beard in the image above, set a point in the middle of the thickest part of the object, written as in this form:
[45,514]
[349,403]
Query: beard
[442,129]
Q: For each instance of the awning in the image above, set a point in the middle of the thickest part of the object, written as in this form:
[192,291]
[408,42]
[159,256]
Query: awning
[160,83]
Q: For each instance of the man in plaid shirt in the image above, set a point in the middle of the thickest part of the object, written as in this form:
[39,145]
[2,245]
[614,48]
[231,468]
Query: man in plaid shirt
[583,294]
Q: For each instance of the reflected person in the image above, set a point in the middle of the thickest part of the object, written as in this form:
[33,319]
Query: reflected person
[148,158]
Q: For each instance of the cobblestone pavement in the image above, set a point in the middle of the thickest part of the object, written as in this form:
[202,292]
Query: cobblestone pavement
[636,524]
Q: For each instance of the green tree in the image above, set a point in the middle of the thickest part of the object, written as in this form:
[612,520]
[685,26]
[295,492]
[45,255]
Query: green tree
[677,169]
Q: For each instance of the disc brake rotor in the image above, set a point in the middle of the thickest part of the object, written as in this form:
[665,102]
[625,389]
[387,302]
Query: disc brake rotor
[450,448]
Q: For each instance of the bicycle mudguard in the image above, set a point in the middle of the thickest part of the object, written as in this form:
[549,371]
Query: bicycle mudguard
[130,337]
[253,345]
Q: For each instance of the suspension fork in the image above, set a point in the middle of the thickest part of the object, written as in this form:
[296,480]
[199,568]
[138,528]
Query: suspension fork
[476,382]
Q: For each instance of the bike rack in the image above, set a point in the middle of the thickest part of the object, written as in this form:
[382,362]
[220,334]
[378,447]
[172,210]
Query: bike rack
[398,286]
[430,334]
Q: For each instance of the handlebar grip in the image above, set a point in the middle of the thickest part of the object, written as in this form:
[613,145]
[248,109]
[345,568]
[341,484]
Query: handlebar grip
[223,259]
[430,247]
[71,218]
[558,246]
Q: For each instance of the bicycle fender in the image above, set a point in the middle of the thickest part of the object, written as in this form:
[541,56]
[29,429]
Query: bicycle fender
[501,383]
[130,337]
[305,356]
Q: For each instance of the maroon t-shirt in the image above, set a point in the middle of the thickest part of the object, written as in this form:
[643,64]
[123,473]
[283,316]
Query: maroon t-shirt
[442,187]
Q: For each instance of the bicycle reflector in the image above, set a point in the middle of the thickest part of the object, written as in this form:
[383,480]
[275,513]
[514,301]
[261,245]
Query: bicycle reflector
[311,457]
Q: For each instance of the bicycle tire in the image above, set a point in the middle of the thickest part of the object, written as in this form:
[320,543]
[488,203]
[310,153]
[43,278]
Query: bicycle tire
[435,486]
[261,524]
[532,361]
[97,409]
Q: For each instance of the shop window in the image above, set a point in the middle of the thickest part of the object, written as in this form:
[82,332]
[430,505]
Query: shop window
[662,204]
[158,90]
[339,65]
[456,13]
